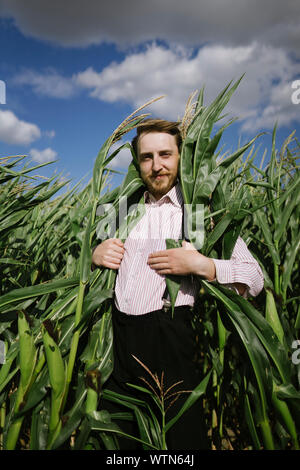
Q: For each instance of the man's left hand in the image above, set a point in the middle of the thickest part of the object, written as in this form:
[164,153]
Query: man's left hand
[183,261]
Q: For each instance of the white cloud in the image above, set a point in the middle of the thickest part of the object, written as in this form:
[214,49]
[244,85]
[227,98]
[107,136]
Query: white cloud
[43,156]
[192,22]
[15,131]
[50,83]
[262,97]
[279,108]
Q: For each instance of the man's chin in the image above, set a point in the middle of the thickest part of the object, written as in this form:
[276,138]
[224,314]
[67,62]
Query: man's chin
[160,188]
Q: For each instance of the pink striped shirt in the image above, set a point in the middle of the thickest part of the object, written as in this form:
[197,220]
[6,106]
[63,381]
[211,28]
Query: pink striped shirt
[139,289]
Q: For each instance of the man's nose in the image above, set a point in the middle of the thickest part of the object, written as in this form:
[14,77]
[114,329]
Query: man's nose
[156,163]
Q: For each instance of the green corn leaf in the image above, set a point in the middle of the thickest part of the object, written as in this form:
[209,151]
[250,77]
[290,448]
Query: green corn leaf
[206,187]
[73,418]
[58,377]
[116,152]
[122,398]
[98,166]
[12,220]
[93,300]
[37,393]
[263,223]
[39,426]
[173,282]
[292,253]
[193,397]
[141,419]
[98,352]
[86,254]
[260,184]
[27,359]
[96,423]
[285,414]
[28,352]
[264,332]
[229,239]
[56,366]
[282,225]
[251,423]
[250,340]
[272,316]
[10,357]
[37,290]
[222,333]
[217,233]
[204,158]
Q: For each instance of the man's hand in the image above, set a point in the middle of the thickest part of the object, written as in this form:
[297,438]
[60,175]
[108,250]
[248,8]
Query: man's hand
[109,253]
[183,261]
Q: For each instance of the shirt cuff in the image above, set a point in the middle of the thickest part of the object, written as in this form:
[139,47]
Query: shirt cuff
[230,272]
[224,271]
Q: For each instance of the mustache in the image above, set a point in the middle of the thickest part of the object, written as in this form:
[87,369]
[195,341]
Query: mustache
[159,174]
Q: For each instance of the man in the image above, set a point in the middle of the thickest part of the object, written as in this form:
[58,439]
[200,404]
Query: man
[142,326]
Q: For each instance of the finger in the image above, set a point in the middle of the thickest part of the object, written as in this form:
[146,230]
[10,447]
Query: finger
[158,261]
[158,254]
[113,256]
[159,266]
[113,265]
[117,249]
[164,271]
[118,242]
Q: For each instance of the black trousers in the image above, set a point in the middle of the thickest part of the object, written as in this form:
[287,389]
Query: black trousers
[164,345]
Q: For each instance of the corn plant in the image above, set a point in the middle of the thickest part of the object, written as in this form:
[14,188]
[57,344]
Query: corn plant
[55,310]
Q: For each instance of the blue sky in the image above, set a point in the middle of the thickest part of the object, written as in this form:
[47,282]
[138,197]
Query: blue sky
[74,70]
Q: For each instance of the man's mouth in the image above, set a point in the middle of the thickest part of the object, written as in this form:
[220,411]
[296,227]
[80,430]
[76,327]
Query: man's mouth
[159,177]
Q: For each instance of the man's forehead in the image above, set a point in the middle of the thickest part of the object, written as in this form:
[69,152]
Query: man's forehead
[150,139]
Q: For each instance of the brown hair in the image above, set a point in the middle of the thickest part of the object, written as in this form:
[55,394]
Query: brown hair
[157,125]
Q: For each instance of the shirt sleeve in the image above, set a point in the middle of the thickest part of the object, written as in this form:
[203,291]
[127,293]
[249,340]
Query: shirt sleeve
[242,268]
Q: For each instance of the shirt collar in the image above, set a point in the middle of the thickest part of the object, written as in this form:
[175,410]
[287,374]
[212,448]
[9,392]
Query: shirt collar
[174,196]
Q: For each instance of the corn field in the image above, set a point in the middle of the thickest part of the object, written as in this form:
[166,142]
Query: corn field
[55,310]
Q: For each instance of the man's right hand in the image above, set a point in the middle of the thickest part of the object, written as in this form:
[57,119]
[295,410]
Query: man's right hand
[109,253]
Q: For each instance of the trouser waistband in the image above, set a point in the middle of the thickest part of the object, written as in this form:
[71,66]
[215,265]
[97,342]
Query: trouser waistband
[180,311]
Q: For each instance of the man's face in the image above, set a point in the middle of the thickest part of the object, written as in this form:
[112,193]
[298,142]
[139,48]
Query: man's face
[158,157]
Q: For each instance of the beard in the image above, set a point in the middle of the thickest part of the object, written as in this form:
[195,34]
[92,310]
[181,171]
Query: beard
[160,184]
